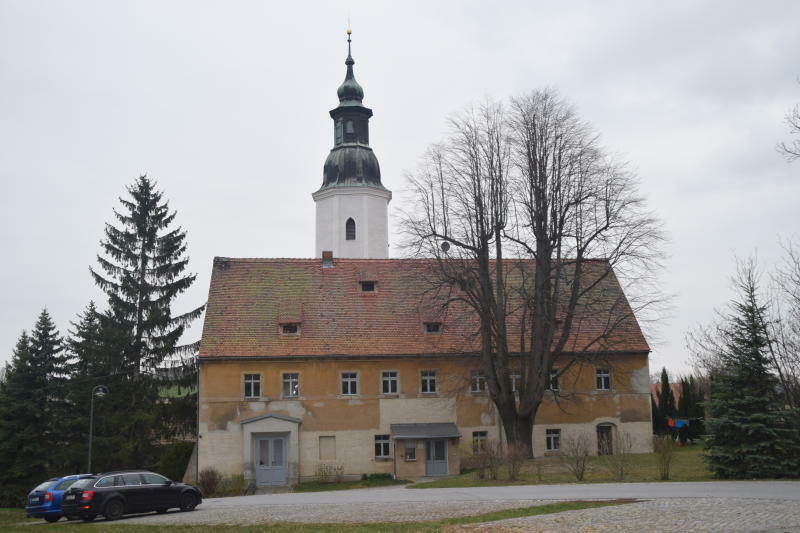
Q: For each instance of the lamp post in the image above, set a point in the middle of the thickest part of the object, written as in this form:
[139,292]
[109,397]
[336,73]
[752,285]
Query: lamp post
[99,390]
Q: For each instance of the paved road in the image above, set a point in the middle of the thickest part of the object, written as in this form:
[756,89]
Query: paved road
[762,490]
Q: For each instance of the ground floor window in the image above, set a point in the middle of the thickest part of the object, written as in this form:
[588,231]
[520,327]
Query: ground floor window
[479,441]
[411,450]
[552,439]
[382,446]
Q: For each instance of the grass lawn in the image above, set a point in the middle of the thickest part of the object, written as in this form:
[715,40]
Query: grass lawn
[10,522]
[687,465]
[319,486]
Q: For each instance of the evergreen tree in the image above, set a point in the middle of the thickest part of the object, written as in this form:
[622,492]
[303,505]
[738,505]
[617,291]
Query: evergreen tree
[666,402]
[659,422]
[751,435]
[32,408]
[142,272]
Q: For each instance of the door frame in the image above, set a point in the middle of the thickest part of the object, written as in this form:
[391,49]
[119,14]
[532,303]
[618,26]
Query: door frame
[430,447]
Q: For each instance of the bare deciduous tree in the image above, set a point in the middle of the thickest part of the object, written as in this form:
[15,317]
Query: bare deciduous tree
[575,454]
[532,225]
[791,150]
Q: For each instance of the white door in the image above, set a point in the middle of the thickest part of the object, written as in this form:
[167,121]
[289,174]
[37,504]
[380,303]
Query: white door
[271,461]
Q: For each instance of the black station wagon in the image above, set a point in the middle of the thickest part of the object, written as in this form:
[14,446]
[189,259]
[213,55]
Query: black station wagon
[114,494]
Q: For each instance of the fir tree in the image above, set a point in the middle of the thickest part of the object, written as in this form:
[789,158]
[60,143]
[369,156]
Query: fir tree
[143,270]
[751,435]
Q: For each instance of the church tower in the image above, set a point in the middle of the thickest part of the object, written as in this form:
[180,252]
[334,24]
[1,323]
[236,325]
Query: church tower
[352,204]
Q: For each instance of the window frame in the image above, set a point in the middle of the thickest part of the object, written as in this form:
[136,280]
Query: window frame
[552,439]
[426,378]
[554,378]
[603,377]
[477,382]
[251,382]
[351,380]
[368,283]
[287,379]
[479,439]
[384,441]
[347,229]
[410,446]
[390,379]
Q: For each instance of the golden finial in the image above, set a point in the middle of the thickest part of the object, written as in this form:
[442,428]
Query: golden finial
[349,31]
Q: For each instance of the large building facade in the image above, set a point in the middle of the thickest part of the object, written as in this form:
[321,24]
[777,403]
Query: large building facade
[346,364]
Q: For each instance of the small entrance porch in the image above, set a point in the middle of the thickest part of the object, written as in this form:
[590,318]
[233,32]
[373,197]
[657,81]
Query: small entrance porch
[425,450]
[271,453]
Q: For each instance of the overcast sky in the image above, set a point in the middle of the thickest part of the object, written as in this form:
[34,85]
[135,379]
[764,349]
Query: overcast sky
[226,105]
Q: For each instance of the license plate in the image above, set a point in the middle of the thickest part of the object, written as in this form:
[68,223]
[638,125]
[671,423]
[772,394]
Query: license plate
[34,500]
[70,497]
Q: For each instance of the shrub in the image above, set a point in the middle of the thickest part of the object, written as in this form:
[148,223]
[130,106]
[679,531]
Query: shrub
[616,460]
[234,485]
[515,458]
[174,459]
[489,459]
[575,454]
[209,481]
[329,472]
[375,477]
[663,446]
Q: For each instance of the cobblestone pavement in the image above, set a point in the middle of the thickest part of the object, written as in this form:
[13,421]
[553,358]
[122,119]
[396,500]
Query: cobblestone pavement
[706,515]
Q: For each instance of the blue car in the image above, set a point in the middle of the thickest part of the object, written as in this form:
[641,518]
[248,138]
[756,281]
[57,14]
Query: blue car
[45,500]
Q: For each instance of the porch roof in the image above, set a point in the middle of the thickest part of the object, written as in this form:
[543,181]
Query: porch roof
[436,430]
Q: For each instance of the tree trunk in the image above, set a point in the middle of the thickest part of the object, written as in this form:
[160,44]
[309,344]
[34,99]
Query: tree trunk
[518,430]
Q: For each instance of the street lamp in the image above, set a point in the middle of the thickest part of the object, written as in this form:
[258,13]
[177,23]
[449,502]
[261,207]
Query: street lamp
[100,391]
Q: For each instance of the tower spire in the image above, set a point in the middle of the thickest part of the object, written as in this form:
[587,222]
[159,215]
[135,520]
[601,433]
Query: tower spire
[350,92]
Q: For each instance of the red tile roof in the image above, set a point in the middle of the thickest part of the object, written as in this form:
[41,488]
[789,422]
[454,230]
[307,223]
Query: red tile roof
[250,298]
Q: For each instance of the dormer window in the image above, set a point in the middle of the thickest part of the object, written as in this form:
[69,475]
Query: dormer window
[433,327]
[350,230]
[291,328]
[367,286]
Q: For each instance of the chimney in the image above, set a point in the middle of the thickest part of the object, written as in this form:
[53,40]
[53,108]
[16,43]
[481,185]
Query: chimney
[327,259]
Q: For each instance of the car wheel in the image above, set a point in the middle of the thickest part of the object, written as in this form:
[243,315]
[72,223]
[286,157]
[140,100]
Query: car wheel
[89,517]
[188,502]
[113,510]
[161,511]
[52,518]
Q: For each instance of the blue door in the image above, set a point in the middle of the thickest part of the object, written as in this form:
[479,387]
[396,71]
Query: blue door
[436,457]
[271,461]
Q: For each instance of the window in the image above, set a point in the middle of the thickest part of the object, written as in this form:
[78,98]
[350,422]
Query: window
[80,484]
[515,381]
[132,479]
[411,450]
[338,132]
[327,448]
[428,384]
[553,385]
[603,379]
[552,439]
[381,446]
[433,327]
[107,481]
[477,381]
[348,127]
[389,382]
[154,479]
[64,485]
[252,385]
[290,329]
[367,286]
[291,385]
[349,383]
[350,230]
[479,441]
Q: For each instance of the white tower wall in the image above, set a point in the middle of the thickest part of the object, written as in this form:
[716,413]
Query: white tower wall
[368,207]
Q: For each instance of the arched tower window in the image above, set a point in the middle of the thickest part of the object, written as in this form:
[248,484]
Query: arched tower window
[350,230]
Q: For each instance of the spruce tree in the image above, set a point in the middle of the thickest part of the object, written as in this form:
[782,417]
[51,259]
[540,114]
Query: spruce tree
[751,435]
[142,271]
[32,410]
[666,401]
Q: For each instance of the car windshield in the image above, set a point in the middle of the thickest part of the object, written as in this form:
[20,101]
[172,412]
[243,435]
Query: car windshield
[82,483]
[44,486]
[65,484]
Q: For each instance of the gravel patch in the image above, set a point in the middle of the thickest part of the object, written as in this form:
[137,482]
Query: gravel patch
[331,513]
[705,515]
